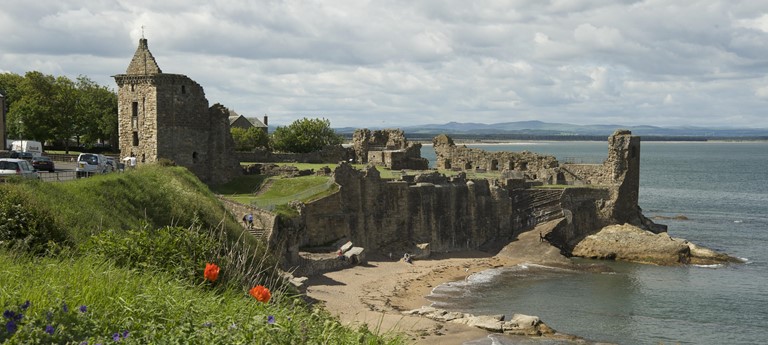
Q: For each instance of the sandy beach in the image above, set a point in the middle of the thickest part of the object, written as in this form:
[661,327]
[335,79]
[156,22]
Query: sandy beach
[377,292]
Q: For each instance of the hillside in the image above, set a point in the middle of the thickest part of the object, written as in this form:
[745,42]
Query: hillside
[144,257]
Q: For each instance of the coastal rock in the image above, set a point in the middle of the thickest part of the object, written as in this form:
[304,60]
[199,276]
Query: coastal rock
[630,243]
[520,324]
[486,322]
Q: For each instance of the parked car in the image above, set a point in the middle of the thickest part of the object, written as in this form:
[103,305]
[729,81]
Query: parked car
[43,163]
[17,167]
[22,155]
[91,163]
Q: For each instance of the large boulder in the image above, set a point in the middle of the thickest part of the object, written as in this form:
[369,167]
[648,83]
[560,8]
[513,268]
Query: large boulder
[630,243]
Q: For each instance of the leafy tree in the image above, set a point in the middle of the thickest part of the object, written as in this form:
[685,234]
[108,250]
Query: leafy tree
[249,139]
[305,135]
[31,114]
[97,108]
[44,108]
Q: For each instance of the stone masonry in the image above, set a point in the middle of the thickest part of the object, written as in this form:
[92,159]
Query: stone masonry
[166,116]
[388,148]
[456,213]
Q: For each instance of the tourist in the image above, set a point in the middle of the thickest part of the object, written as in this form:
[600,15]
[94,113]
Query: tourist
[250,221]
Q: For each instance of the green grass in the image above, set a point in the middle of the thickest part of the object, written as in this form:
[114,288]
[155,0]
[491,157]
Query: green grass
[133,249]
[153,307]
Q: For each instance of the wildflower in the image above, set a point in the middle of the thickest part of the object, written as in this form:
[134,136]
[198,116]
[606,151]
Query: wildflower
[270,319]
[260,293]
[116,337]
[64,307]
[25,305]
[9,314]
[83,309]
[125,334]
[49,329]
[208,324]
[211,272]
[84,343]
[233,326]
[10,327]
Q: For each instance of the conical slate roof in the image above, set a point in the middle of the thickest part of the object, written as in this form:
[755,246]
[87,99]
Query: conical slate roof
[143,63]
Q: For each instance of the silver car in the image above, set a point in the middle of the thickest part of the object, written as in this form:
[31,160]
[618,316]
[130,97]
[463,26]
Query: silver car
[17,167]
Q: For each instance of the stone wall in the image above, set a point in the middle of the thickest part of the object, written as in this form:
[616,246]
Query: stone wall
[456,213]
[532,166]
[329,154]
[389,148]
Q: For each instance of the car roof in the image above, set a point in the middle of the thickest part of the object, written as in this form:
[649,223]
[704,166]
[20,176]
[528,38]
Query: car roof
[12,160]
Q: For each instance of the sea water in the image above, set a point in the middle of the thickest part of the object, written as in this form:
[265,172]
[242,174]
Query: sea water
[720,189]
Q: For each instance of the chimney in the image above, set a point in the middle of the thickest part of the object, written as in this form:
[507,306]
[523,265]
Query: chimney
[265,120]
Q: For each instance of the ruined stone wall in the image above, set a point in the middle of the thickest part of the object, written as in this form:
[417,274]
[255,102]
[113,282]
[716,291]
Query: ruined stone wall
[388,148]
[3,135]
[329,154]
[389,216]
[532,166]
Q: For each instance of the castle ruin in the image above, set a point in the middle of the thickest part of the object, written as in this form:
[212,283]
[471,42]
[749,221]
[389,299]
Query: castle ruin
[458,213]
[388,148]
[166,116]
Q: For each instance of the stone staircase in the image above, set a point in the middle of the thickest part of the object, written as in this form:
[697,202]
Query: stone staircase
[543,204]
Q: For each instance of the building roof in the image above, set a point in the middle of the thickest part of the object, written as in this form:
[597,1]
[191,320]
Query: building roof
[143,63]
[252,120]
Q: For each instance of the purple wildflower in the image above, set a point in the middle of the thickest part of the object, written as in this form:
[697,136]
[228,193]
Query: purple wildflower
[9,314]
[10,327]
[49,329]
[84,343]
[125,334]
[64,307]
[116,337]
[26,305]
[83,309]
[270,319]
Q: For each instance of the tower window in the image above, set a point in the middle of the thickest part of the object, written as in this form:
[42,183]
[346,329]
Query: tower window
[194,157]
[135,138]
[183,89]
[135,109]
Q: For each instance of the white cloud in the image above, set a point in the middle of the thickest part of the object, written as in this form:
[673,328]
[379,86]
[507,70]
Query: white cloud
[357,62]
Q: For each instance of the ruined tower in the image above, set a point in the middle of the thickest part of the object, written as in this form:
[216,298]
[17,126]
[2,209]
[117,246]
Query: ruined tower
[2,122]
[166,116]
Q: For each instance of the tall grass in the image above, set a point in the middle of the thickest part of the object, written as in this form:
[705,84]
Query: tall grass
[130,268]
[89,299]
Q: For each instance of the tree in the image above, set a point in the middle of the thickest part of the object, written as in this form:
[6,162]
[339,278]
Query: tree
[305,135]
[249,139]
[31,114]
[97,109]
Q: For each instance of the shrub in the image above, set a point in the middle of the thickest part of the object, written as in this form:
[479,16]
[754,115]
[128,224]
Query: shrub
[25,225]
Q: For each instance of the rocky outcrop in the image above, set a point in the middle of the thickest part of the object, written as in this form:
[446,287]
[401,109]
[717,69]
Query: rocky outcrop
[519,324]
[630,243]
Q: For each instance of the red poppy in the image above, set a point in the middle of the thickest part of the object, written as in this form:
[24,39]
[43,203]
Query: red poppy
[211,272]
[260,293]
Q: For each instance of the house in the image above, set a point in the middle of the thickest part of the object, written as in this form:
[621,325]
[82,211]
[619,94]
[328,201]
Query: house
[237,120]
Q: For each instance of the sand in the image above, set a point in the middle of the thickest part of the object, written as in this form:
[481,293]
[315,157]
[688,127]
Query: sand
[377,292]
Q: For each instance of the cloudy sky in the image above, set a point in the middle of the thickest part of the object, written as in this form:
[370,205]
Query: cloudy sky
[397,63]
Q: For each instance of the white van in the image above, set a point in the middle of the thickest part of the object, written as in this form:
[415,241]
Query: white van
[91,163]
[30,146]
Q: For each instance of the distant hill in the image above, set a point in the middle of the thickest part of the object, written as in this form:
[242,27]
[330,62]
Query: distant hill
[564,131]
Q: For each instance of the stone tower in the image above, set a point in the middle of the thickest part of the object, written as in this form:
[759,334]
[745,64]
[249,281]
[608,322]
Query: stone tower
[166,116]
[623,168]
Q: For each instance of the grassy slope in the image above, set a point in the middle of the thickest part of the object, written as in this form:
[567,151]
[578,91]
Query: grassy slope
[152,304]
